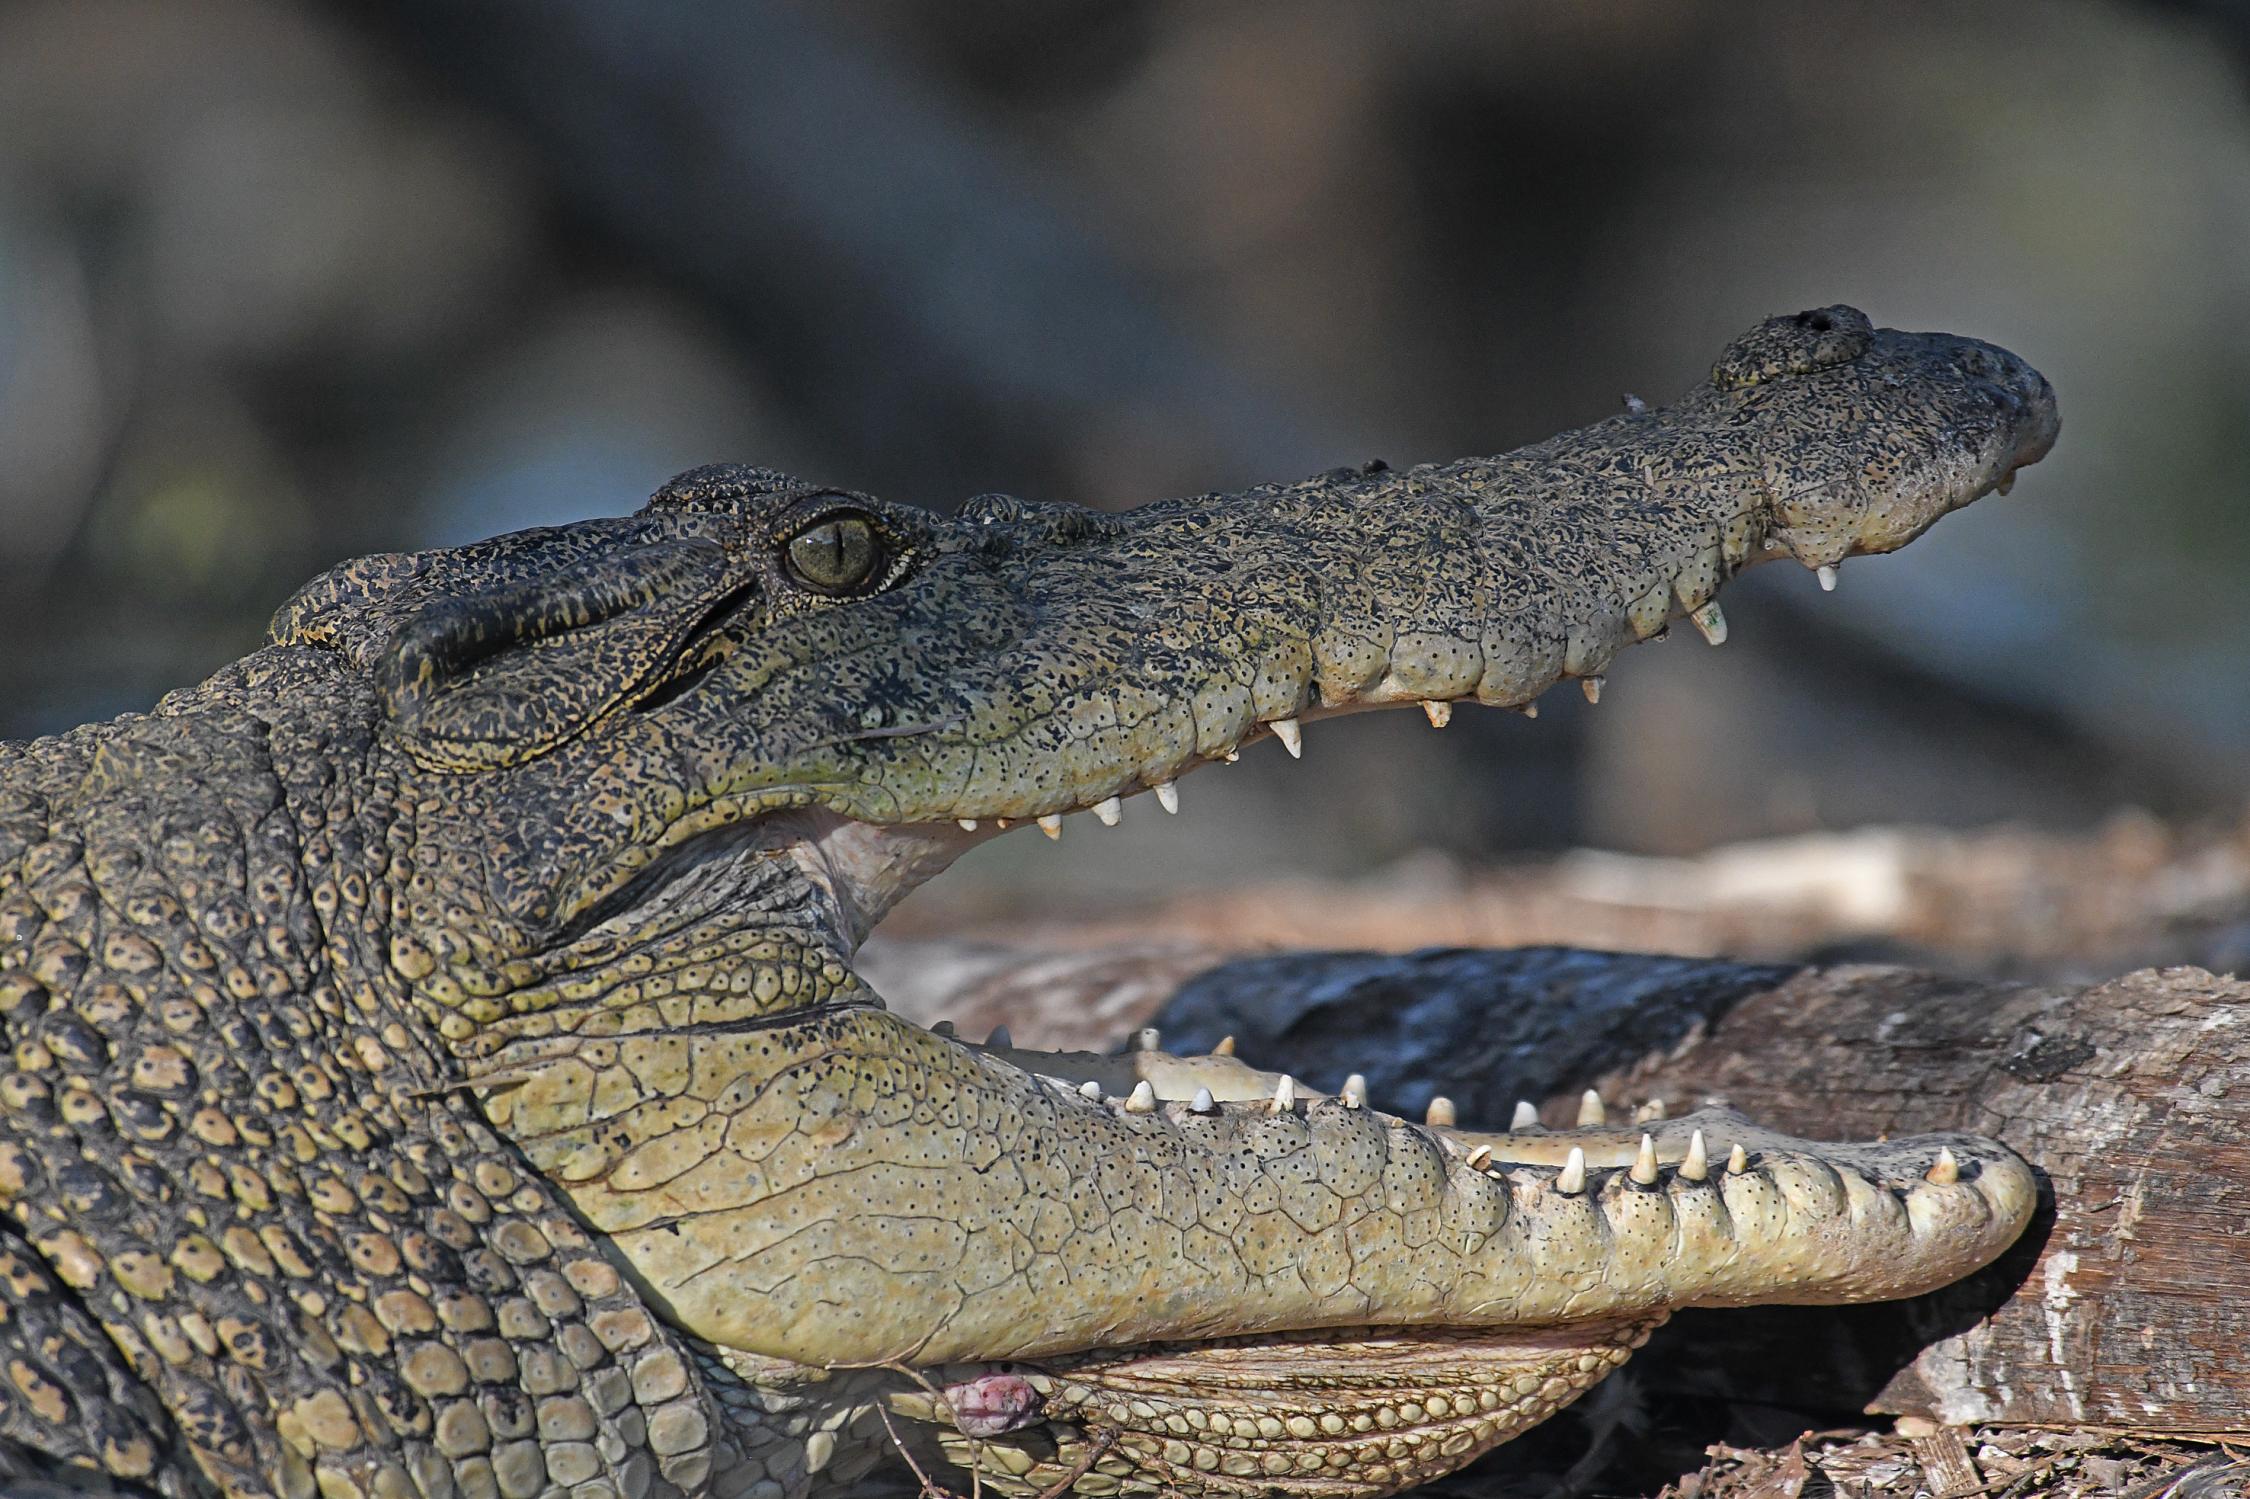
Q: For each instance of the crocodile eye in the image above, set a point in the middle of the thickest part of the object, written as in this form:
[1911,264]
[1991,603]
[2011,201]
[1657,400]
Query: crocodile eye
[836,554]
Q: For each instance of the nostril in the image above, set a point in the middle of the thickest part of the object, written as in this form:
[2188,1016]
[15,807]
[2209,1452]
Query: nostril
[1818,322]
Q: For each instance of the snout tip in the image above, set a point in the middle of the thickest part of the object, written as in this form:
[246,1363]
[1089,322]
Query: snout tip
[2042,421]
[2037,421]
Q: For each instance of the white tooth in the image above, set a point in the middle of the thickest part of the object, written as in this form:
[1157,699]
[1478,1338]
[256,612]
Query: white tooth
[1285,1094]
[1225,1048]
[1480,1157]
[1697,1166]
[1592,687]
[1572,1177]
[1711,622]
[1109,810]
[1590,1109]
[1649,1112]
[1355,1092]
[1231,756]
[1738,1161]
[1142,1100]
[1526,1117]
[1947,1170]
[1644,1164]
[1051,825]
[1168,797]
[1203,1102]
[819,1450]
[1439,714]
[968,824]
[1440,1112]
[1827,575]
[1292,738]
[1148,1038]
[1090,1089]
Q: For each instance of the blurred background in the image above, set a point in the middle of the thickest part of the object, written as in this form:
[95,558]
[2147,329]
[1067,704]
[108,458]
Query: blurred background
[283,281]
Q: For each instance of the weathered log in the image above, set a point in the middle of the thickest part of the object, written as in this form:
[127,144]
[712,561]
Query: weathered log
[2128,1304]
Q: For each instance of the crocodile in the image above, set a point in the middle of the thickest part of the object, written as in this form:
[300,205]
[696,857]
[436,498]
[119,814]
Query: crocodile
[435,1065]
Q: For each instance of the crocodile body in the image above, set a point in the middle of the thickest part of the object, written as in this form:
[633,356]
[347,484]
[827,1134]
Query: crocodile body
[435,1063]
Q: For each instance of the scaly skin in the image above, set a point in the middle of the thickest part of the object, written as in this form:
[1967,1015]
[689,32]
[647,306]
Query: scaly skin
[436,1066]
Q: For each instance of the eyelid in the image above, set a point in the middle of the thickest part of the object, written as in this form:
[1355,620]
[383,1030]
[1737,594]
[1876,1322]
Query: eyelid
[827,516]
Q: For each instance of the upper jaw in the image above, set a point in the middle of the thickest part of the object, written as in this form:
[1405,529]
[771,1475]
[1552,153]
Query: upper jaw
[1040,664]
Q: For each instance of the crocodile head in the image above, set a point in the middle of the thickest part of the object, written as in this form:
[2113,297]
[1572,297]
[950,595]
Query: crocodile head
[655,777]
[755,663]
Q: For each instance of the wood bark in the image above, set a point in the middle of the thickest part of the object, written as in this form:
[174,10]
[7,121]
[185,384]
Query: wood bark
[2126,1305]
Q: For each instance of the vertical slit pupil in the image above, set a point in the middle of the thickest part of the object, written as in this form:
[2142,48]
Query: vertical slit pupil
[835,554]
